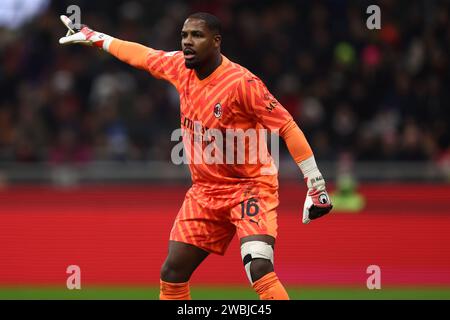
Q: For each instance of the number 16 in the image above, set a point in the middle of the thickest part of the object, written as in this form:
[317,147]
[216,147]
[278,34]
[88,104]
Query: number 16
[247,209]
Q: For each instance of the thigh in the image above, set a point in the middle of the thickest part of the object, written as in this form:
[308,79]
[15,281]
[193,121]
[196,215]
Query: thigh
[256,216]
[181,262]
[207,229]
[186,256]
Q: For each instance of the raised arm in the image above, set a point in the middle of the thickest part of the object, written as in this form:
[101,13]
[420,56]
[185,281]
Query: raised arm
[161,64]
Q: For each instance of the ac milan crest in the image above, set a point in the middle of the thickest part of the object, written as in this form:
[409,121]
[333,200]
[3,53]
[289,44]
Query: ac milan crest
[217,110]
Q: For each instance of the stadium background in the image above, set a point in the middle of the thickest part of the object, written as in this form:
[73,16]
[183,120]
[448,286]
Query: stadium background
[85,171]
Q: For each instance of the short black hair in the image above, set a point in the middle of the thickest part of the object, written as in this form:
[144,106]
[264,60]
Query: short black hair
[212,22]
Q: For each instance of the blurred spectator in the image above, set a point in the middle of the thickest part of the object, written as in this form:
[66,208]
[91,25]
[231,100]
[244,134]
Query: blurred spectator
[68,148]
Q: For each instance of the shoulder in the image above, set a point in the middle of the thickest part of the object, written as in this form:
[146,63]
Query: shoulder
[246,77]
[243,78]
[176,56]
[241,71]
[172,53]
[174,61]
[172,56]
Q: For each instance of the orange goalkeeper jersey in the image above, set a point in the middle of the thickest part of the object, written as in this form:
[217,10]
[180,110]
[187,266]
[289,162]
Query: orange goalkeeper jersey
[231,100]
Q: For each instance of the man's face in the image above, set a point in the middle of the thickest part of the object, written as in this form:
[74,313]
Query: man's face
[198,43]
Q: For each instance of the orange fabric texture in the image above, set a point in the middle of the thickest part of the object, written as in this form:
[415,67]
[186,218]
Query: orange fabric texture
[231,97]
[269,287]
[296,142]
[213,229]
[174,291]
[132,53]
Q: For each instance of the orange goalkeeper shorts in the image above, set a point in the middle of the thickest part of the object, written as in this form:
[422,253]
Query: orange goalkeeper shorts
[213,229]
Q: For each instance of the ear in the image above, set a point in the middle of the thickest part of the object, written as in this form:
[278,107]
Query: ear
[217,40]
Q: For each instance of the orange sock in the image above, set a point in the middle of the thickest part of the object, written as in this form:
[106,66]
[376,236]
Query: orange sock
[174,291]
[270,288]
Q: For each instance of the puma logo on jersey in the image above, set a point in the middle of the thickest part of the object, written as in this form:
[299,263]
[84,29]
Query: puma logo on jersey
[170,54]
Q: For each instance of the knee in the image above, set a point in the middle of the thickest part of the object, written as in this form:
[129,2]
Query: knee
[258,259]
[173,271]
[259,268]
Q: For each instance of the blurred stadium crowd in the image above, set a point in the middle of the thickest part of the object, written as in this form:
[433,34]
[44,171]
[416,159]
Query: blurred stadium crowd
[376,94]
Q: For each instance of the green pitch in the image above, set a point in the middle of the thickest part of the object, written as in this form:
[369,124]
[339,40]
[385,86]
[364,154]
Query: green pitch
[223,293]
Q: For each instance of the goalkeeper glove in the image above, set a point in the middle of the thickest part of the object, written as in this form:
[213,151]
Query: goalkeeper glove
[317,202]
[84,35]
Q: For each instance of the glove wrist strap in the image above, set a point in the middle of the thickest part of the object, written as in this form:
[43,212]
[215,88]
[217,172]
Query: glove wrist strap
[311,173]
[107,42]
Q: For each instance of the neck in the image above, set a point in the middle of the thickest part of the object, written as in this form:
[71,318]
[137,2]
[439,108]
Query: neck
[205,70]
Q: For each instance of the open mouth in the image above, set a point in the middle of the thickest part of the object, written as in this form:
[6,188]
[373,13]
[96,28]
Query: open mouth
[189,54]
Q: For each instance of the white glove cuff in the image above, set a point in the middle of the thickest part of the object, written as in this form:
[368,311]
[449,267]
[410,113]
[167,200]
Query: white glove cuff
[107,42]
[311,172]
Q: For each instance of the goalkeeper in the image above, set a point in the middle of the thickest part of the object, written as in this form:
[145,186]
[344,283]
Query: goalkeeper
[225,198]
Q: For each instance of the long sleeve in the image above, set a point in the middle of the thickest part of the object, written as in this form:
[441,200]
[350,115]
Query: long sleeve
[132,53]
[296,142]
[258,102]
[160,64]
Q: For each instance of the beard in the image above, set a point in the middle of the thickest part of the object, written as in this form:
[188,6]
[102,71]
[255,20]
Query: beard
[191,64]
